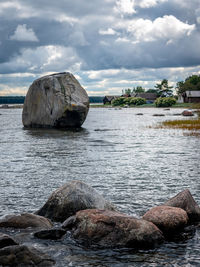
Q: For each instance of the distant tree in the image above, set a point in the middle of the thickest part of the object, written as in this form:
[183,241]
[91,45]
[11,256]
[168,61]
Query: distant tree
[191,83]
[164,90]
[126,91]
[138,89]
[155,91]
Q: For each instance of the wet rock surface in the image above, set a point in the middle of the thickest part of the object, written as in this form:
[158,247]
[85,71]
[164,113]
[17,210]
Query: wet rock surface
[52,234]
[56,100]
[25,220]
[21,255]
[6,240]
[113,229]
[185,201]
[167,219]
[70,198]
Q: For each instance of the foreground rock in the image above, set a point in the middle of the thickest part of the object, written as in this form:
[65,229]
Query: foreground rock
[113,229]
[56,100]
[24,256]
[185,201]
[25,220]
[70,198]
[6,240]
[187,113]
[168,219]
[53,234]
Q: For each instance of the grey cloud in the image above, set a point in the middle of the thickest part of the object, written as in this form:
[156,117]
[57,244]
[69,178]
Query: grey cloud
[74,27]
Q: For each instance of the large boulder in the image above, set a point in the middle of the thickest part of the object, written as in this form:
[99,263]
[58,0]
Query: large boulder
[56,100]
[112,229]
[185,201]
[168,219]
[25,220]
[24,256]
[70,198]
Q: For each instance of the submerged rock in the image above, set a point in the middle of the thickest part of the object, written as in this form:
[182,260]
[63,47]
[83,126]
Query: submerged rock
[167,219]
[24,256]
[113,229]
[70,198]
[6,240]
[56,100]
[185,201]
[25,220]
[187,113]
[158,115]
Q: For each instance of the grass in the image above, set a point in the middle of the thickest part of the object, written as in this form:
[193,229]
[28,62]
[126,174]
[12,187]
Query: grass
[190,124]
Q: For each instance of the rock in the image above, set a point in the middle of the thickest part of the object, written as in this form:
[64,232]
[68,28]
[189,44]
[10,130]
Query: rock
[24,256]
[167,219]
[158,115]
[25,220]
[176,114]
[5,106]
[187,113]
[56,100]
[113,229]
[53,234]
[70,198]
[6,240]
[185,201]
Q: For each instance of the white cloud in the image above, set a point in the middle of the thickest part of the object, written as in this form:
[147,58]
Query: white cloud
[167,28]
[150,3]
[22,33]
[125,6]
[109,31]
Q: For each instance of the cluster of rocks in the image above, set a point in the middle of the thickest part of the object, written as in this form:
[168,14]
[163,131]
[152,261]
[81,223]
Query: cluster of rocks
[93,221]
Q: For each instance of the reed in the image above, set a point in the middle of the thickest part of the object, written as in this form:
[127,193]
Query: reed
[190,124]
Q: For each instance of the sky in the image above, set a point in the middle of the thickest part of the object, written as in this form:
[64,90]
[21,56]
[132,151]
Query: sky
[109,45]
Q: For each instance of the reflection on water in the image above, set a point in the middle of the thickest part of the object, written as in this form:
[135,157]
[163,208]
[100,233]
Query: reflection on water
[134,166]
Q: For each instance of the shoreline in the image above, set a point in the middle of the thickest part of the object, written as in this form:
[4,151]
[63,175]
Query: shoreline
[179,105]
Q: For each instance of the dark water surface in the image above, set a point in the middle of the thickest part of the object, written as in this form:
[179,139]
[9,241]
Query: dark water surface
[134,166]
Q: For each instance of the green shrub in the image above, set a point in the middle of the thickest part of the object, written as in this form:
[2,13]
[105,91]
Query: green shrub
[130,101]
[137,101]
[118,101]
[165,101]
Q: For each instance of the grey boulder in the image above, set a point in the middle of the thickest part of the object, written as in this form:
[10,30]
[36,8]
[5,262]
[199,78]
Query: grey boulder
[56,100]
[70,198]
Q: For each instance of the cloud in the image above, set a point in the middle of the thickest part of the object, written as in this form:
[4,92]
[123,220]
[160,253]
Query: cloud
[109,44]
[22,33]
[125,6]
[150,3]
[15,90]
[43,59]
[109,31]
[165,28]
